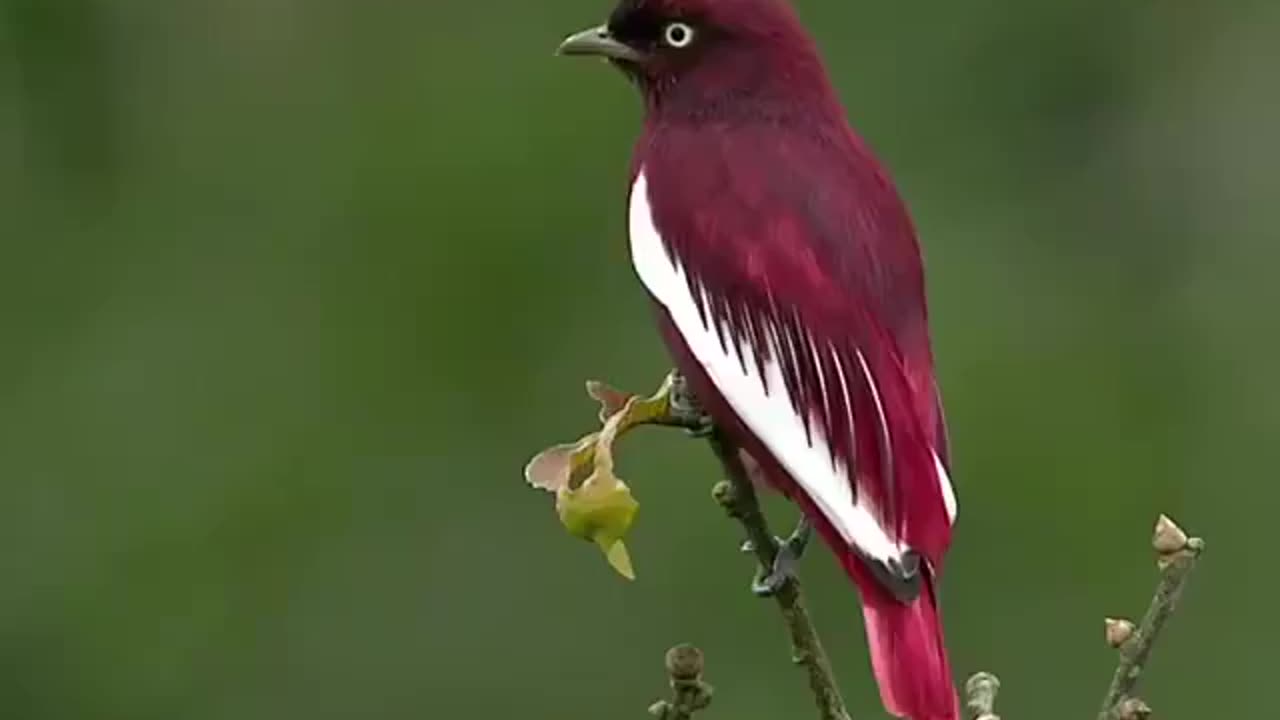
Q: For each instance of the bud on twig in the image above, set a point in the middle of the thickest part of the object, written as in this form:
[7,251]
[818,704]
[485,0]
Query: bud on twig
[1133,709]
[980,696]
[724,494]
[684,662]
[1169,538]
[1177,555]
[689,693]
[1118,631]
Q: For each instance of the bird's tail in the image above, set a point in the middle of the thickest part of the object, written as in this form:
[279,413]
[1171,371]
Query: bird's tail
[908,655]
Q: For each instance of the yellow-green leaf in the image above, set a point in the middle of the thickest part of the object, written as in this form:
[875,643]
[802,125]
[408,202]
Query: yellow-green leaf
[618,558]
[593,503]
[555,467]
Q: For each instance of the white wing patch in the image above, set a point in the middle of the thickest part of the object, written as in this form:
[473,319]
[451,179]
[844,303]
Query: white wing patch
[948,492]
[770,415]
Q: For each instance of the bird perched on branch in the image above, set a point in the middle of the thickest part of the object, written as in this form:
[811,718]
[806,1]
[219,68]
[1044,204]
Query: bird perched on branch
[788,285]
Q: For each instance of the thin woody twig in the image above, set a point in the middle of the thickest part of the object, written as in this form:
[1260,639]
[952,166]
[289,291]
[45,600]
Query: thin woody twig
[689,693]
[1176,556]
[738,497]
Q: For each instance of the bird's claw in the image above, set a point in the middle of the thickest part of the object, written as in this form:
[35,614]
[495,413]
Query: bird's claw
[685,407]
[702,430]
[767,583]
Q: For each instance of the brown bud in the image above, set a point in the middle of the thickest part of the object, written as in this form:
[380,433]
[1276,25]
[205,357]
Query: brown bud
[1169,538]
[684,662]
[1133,709]
[1118,631]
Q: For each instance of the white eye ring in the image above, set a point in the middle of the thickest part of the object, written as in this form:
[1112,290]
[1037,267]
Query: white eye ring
[678,35]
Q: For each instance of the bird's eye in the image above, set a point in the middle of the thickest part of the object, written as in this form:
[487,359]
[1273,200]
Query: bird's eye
[678,35]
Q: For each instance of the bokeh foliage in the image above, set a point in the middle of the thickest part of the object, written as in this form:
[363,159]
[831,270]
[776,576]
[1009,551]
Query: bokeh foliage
[290,290]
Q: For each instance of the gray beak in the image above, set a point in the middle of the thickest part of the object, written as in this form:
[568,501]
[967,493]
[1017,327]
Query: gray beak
[598,42]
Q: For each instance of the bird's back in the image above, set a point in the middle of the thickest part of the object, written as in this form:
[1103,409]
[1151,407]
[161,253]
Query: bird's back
[802,193]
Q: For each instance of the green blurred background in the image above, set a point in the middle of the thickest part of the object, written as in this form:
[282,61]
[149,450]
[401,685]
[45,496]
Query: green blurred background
[290,290]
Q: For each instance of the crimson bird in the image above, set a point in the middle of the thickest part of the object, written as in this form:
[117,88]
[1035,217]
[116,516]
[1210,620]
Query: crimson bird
[788,285]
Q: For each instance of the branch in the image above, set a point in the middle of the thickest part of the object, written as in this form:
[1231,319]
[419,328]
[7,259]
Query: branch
[1176,557]
[737,496]
[594,504]
[689,693]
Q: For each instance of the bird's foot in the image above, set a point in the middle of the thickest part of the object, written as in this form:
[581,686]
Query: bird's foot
[767,582]
[702,430]
[685,407]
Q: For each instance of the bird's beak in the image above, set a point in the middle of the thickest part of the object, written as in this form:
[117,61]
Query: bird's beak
[599,42]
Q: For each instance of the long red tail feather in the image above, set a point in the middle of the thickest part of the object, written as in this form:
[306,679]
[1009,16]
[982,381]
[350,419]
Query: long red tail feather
[908,654]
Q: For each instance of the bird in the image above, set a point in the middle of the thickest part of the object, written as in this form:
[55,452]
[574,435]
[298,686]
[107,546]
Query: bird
[787,282]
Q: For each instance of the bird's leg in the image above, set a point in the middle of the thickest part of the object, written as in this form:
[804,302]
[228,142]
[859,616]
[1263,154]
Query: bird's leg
[768,582]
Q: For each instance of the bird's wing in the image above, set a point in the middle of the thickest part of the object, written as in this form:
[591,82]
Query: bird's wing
[766,284]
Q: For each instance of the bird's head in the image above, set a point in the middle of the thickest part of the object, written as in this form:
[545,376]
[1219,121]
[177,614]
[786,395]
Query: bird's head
[694,52]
